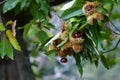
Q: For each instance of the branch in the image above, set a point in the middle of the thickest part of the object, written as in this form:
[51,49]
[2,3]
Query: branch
[13,28]
[114,47]
[2,2]
[110,22]
[111,9]
[110,12]
[117,29]
[57,2]
[0,18]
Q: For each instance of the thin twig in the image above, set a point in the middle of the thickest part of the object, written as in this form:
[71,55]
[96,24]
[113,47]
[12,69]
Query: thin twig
[110,22]
[0,18]
[2,2]
[13,28]
[111,9]
[114,26]
[110,12]
[114,47]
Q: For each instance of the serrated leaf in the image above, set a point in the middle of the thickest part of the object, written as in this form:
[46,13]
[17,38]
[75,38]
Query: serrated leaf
[104,61]
[74,19]
[43,37]
[78,3]
[80,69]
[83,25]
[63,42]
[23,4]
[27,28]
[8,49]
[51,54]
[49,26]
[96,63]
[72,30]
[2,28]
[2,48]
[33,32]
[44,6]
[78,63]
[71,12]
[36,11]
[37,1]
[10,4]
[34,53]
[13,40]
[53,38]
[116,1]
[68,5]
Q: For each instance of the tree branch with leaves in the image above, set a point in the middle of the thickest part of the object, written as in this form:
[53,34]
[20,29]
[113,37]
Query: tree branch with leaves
[82,34]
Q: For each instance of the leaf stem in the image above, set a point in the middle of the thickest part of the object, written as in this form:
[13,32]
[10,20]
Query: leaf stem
[113,47]
[84,25]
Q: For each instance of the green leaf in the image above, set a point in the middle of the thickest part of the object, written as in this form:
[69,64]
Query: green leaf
[80,69]
[2,48]
[37,1]
[89,42]
[44,6]
[72,29]
[74,19]
[63,42]
[17,10]
[6,49]
[96,63]
[104,61]
[78,62]
[36,12]
[13,40]
[27,28]
[9,49]
[23,4]
[78,3]
[43,37]
[34,53]
[51,54]
[71,12]
[117,1]
[83,25]
[2,27]
[49,26]
[10,4]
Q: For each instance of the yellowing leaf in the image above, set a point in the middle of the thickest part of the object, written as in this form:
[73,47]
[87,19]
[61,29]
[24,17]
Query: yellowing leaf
[13,40]
[2,28]
[8,23]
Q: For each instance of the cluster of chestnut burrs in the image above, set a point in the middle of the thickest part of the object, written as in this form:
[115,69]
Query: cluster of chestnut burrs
[66,44]
[90,10]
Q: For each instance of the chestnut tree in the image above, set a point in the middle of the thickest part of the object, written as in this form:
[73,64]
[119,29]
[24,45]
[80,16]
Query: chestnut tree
[86,33]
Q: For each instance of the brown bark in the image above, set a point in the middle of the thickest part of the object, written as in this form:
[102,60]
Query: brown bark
[20,67]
